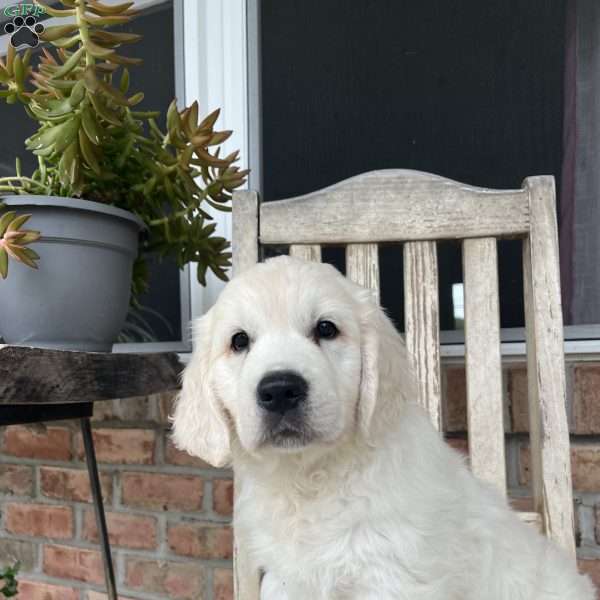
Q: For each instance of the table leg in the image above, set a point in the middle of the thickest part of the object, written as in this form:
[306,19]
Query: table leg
[90,457]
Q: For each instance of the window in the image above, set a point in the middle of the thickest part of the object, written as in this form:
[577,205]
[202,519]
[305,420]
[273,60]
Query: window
[473,91]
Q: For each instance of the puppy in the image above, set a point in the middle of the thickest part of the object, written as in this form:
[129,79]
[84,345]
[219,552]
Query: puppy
[346,490]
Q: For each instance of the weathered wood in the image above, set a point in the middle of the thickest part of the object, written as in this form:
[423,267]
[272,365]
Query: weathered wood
[306,252]
[244,245]
[483,361]
[246,580]
[421,308]
[362,266]
[549,435]
[394,206]
[244,242]
[532,518]
[418,208]
[34,375]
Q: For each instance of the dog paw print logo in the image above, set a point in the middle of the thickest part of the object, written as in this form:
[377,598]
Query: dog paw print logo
[24,31]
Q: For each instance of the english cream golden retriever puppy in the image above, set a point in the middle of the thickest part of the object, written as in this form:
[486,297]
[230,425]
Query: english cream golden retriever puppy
[347,492]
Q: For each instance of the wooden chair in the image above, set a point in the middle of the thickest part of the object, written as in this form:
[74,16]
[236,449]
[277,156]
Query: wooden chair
[417,209]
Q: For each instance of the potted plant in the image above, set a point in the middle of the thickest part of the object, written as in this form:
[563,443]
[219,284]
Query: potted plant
[106,173]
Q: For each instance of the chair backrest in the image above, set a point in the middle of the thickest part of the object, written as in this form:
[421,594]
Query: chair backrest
[418,209]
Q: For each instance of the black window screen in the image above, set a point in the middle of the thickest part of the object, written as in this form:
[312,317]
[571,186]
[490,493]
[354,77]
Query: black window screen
[470,90]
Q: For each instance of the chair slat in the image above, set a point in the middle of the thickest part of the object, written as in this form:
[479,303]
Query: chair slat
[246,579]
[244,242]
[484,367]
[306,252]
[244,246]
[422,323]
[394,206]
[549,435]
[362,266]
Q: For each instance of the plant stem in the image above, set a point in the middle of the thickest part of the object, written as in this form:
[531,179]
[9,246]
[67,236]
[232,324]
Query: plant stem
[22,179]
[84,31]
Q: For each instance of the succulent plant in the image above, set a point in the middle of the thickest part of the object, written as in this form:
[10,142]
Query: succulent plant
[14,241]
[91,143]
[8,581]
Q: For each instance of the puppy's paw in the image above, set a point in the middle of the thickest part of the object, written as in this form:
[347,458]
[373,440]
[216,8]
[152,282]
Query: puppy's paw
[272,589]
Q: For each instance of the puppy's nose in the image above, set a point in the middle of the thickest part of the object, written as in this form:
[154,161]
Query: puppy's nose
[281,391]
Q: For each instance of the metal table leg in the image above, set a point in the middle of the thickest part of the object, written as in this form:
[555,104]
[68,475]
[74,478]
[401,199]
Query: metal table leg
[90,457]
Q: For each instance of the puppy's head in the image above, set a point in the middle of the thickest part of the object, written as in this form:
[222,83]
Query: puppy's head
[287,358]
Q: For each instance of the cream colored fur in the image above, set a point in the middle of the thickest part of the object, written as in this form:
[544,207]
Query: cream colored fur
[377,506]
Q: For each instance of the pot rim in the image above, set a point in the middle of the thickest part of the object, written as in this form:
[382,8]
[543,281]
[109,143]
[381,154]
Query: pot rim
[73,203]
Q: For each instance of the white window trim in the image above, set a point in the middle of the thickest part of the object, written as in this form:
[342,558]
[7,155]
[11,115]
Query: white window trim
[210,67]
[215,74]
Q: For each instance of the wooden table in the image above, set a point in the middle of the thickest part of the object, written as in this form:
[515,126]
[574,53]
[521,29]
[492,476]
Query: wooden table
[39,385]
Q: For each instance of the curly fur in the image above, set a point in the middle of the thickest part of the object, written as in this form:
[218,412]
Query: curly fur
[377,507]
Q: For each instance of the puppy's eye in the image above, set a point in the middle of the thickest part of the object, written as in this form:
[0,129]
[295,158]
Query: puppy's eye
[240,341]
[326,330]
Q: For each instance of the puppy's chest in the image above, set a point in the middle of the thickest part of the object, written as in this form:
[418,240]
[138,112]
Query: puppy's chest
[323,550]
[341,548]
[307,540]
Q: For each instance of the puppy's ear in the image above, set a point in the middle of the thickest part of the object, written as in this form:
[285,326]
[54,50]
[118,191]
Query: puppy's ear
[199,422]
[387,377]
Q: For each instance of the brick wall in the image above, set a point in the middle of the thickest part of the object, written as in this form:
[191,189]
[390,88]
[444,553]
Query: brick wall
[583,409]
[168,513]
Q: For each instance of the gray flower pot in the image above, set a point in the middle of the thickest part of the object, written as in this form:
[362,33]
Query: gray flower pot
[79,296]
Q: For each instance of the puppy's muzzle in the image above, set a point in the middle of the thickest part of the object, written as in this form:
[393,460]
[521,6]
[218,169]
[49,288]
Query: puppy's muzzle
[281,391]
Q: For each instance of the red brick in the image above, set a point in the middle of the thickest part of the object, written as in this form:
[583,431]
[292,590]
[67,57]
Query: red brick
[522,503]
[456,399]
[162,492]
[591,567]
[48,443]
[136,410]
[122,446]
[223,497]
[222,584]
[586,398]
[459,444]
[129,531]
[206,541]
[584,466]
[40,520]
[174,456]
[36,590]
[178,581]
[16,479]
[72,484]
[73,563]
[517,394]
